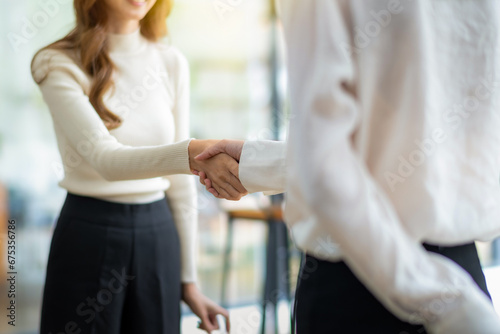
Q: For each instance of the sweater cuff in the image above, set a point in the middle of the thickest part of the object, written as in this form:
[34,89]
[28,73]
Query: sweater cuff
[189,275]
[177,157]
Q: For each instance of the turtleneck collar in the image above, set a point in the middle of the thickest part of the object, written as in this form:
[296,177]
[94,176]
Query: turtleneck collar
[126,43]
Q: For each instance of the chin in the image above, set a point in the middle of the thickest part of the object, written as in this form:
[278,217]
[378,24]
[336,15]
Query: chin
[132,9]
[136,16]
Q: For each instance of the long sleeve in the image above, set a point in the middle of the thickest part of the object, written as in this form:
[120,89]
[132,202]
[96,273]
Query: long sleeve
[263,166]
[182,193]
[339,190]
[89,139]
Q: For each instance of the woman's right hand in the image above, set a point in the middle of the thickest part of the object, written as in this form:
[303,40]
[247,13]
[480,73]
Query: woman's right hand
[221,169]
[233,148]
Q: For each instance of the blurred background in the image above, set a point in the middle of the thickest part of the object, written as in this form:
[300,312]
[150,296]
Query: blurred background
[234,51]
[238,86]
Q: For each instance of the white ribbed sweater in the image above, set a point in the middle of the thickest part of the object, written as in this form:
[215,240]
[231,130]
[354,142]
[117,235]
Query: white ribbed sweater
[129,164]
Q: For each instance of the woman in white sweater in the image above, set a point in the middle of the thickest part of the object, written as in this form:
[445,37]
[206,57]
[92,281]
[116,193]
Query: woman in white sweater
[120,261]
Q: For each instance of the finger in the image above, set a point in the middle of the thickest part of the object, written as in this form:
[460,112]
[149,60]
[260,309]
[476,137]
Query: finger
[213,320]
[225,314]
[210,188]
[206,325]
[214,192]
[235,180]
[234,195]
[228,323]
[236,184]
[203,178]
[222,192]
[195,172]
[221,183]
[211,151]
[201,325]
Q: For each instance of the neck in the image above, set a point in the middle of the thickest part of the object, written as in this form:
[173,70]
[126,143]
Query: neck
[126,42]
[123,27]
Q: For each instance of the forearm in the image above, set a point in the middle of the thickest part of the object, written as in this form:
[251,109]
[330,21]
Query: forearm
[117,162]
[393,266]
[263,166]
[88,139]
[338,189]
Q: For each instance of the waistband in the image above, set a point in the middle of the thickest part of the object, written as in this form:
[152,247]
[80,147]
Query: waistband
[100,211]
[448,251]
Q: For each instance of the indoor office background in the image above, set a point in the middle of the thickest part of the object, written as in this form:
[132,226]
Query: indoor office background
[238,91]
[230,48]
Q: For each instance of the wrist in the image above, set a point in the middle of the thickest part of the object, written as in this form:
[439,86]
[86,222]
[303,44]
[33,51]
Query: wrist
[189,290]
[196,146]
[238,149]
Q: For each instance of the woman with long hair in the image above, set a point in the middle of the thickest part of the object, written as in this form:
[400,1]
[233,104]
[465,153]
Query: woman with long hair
[121,257]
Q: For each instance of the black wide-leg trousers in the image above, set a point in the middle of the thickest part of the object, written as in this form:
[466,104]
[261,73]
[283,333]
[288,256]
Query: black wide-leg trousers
[113,269]
[331,300]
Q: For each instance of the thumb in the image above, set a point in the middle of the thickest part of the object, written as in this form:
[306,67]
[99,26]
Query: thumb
[206,323]
[219,147]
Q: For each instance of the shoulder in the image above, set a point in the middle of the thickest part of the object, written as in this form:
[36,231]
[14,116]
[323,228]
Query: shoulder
[175,61]
[50,60]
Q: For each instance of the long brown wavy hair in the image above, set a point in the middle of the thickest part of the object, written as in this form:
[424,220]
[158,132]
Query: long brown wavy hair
[89,40]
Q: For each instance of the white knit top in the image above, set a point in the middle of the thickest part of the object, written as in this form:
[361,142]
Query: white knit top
[136,162]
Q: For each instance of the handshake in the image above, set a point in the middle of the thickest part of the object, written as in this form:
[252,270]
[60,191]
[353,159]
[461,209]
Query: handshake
[216,162]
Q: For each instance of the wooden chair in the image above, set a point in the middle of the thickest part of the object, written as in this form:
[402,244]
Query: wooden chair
[277,278]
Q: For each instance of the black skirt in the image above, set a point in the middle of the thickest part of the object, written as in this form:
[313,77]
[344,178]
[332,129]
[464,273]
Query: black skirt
[330,299]
[113,268]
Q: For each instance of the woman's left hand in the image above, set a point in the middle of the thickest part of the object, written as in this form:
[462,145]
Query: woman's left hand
[204,308]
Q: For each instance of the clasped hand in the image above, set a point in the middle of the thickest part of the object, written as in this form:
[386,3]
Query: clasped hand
[217,164]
